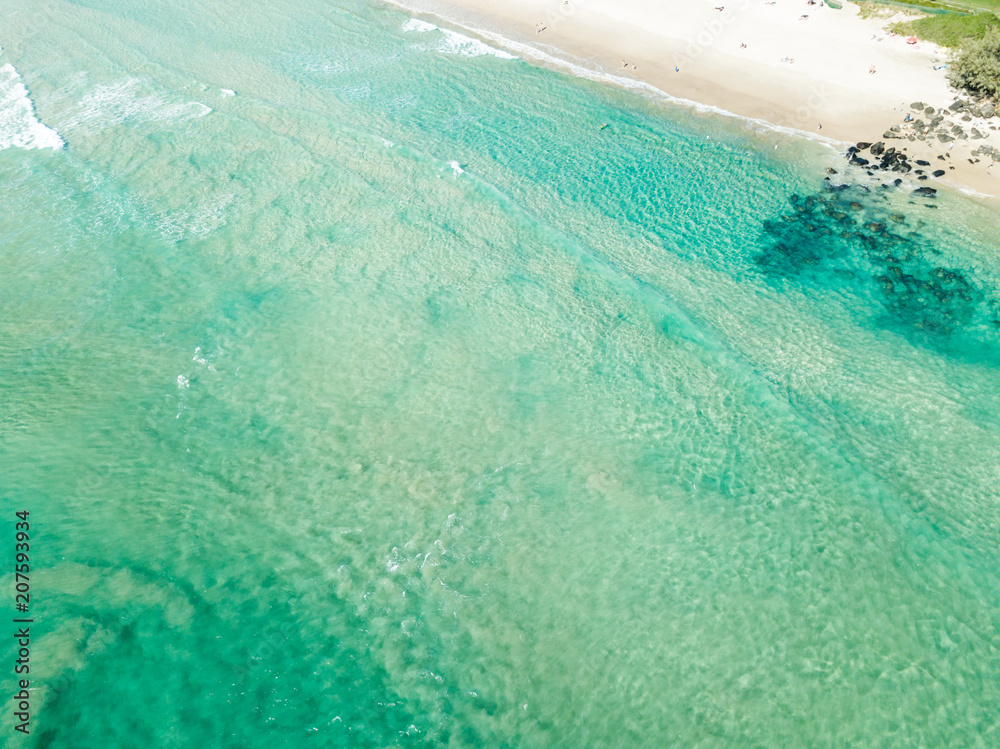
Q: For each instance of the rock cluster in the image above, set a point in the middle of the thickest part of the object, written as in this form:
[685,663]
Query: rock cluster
[987,150]
[890,159]
[946,125]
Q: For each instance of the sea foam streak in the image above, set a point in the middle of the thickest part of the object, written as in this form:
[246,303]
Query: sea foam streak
[456,44]
[113,104]
[19,127]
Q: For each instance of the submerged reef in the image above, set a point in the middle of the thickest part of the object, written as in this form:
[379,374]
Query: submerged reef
[849,237]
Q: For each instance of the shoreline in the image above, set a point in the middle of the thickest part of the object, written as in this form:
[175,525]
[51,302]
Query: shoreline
[690,54]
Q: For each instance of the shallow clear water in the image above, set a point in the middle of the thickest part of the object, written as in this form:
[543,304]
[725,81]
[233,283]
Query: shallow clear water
[392,400]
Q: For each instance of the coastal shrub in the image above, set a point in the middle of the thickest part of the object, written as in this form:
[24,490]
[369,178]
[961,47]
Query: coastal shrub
[952,30]
[977,67]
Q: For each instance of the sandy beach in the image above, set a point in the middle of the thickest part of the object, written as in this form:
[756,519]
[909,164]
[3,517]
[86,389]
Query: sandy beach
[812,68]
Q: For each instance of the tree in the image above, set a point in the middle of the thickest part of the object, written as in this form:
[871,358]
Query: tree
[976,68]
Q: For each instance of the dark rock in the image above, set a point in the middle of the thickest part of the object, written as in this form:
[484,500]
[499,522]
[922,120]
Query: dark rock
[917,105]
[929,111]
[862,146]
[966,118]
[878,149]
[944,137]
[858,161]
[938,173]
[921,162]
[957,106]
[897,182]
[988,109]
[895,128]
[941,157]
[925,191]
[922,177]
[831,170]
[919,171]
[889,134]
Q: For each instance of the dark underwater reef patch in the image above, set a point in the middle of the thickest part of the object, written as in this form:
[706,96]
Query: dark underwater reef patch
[842,237]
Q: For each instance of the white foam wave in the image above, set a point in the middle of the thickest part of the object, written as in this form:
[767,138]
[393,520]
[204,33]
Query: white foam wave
[199,219]
[528,51]
[228,92]
[19,127]
[415,24]
[454,43]
[354,92]
[316,64]
[456,168]
[116,103]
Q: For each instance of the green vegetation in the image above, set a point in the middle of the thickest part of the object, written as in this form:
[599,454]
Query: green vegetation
[952,30]
[875,10]
[939,6]
[970,28]
[977,67]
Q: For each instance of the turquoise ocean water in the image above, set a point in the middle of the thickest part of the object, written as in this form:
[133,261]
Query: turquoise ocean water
[365,391]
